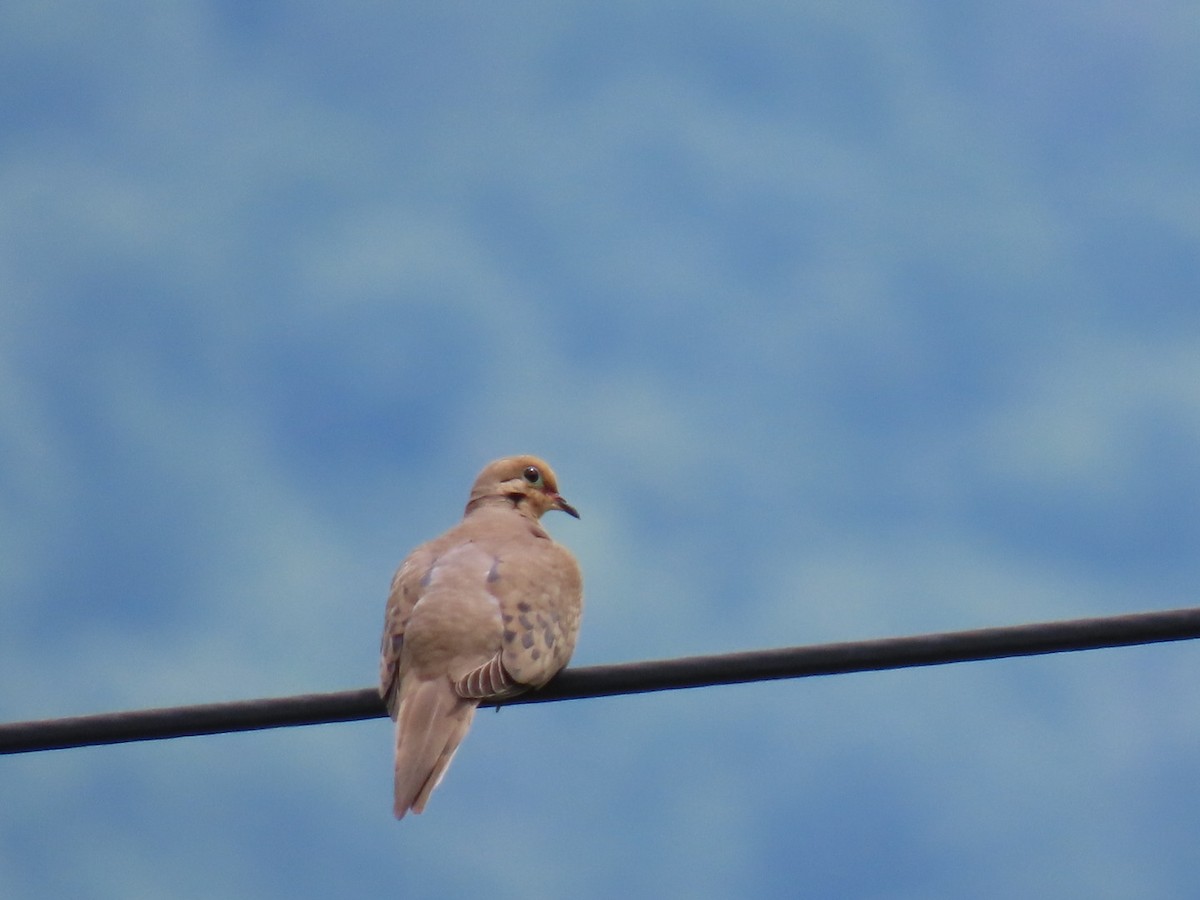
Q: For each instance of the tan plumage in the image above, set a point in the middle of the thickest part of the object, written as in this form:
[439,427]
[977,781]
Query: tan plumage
[488,610]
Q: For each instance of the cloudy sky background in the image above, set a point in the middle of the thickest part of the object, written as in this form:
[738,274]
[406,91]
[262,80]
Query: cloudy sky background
[837,320]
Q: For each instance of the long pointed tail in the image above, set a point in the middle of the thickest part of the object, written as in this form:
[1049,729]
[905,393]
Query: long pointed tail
[430,724]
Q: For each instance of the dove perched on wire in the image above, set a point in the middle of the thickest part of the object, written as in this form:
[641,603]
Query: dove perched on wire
[486,611]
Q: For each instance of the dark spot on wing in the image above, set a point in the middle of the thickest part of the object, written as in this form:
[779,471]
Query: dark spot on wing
[527,640]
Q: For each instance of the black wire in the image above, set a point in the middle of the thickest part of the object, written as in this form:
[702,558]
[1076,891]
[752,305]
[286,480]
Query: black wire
[625,678]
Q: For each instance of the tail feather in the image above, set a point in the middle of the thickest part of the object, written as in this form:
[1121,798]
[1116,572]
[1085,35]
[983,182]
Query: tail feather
[430,724]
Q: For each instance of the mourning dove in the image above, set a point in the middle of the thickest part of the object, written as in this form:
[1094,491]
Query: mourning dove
[486,611]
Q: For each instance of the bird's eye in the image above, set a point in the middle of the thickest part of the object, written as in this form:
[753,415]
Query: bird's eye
[533,475]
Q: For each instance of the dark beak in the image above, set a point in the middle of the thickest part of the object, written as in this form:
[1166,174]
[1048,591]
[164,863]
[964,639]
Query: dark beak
[560,503]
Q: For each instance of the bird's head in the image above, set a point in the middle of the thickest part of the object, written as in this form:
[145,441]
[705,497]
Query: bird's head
[526,482]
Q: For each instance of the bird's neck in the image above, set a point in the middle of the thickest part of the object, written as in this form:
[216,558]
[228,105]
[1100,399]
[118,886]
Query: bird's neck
[501,502]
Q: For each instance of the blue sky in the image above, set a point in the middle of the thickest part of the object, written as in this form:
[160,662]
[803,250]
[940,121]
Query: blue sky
[837,321]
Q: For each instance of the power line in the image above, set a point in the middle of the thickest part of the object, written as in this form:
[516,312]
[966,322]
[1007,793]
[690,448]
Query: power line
[624,678]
